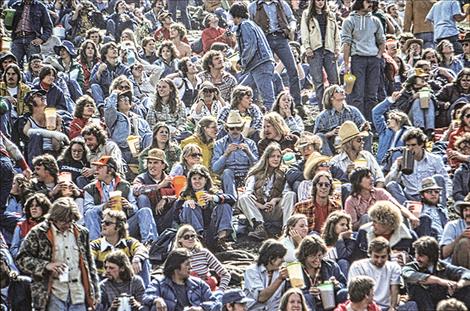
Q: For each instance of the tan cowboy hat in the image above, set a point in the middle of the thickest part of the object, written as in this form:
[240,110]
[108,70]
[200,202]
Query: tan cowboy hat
[156,154]
[234,119]
[461,204]
[313,161]
[305,139]
[349,131]
[429,183]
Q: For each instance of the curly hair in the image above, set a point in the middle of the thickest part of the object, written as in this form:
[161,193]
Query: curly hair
[328,232]
[271,249]
[277,122]
[180,29]
[378,244]
[427,246]
[41,200]
[97,131]
[169,45]
[401,117]
[238,93]
[120,259]
[208,57]
[310,245]
[49,163]
[451,304]
[386,213]
[415,133]
[81,103]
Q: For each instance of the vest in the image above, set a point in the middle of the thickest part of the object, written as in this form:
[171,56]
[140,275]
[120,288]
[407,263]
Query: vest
[276,191]
[261,18]
[94,189]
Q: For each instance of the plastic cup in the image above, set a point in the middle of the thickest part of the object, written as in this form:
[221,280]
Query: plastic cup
[51,118]
[424,99]
[115,197]
[179,182]
[8,16]
[349,80]
[294,269]
[64,177]
[415,207]
[134,145]
[327,294]
[199,198]
[360,163]
[246,125]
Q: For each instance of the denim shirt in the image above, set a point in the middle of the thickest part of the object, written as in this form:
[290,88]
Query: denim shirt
[39,17]
[108,75]
[238,160]
[253,45]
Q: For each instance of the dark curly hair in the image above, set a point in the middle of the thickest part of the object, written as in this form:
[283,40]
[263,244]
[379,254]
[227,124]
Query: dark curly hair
[81,103]
[270,250]
[97,131]
[171,46]
[41,200]
[310,245]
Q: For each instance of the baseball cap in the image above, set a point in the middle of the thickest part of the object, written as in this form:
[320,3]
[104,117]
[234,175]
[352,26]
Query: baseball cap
[106,161]
[235,296]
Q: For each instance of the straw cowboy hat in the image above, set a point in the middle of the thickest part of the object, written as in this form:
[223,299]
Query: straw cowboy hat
[234,119]
[305,139]
[349,131]
[312,163]
[429,183]
[411,41]
[461,204]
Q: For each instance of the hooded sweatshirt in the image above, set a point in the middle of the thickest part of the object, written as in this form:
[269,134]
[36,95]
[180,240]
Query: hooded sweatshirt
[364,33]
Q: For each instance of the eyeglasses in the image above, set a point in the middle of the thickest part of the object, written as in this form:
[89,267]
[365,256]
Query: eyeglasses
[324,164]
[107,223]
[432,191]
[324,184]
[124,86]
[189,237]
[467,115]
[124,99]
[195,155]
[235,128]
[316,257]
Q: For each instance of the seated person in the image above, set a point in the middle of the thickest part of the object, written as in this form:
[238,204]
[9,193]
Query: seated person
[455,157]
[153,189]
[74,160]
[317,269]
[316,163]
[321,204]
[460,183]
[276,130]
[284,105]
[205,208]
[386,221]
[193,292]
[120,280]
[190,157]
[430,280]
[296,229]
[455,240]
[54,94]
[406,187]
[267,198]
[97,198]
[233,154]
[360,296]
[85,109]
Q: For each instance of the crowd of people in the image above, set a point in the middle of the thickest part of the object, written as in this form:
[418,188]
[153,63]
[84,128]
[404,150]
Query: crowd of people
[142,140]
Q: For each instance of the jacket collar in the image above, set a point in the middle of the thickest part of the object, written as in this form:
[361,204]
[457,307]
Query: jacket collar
[401,233]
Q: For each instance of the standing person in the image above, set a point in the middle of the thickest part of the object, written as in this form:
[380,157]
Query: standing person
[256,57]
[363,45]
[279,24]
[320,34]
[444,16]
[32,26]
[430,280]
[182,6]
[415,21]
[57,254]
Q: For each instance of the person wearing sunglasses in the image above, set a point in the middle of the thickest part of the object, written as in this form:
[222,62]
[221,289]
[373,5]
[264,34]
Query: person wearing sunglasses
[315,164]
[115,236]
[234,154]
[208,103]
[206,208]
[190,156]
[202,260]
[465,56]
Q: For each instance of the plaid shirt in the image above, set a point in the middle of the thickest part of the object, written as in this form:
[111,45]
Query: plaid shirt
[225,87]
[309,207]
[331,118]
[176,121]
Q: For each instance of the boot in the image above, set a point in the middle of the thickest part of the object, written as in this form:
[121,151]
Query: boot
[259,233]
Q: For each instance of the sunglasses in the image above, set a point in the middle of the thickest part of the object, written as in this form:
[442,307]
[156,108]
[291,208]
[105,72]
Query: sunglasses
[324,184]
[235,128]
[467,115]
[432,191]
[124,86]
[107,223]
[324,164]
[195,155]
[466,44]
[189,237]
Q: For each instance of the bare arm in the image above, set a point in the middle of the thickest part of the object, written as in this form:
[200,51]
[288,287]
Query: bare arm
[346,55]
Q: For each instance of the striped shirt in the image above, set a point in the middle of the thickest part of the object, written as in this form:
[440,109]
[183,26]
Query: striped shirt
[203,260]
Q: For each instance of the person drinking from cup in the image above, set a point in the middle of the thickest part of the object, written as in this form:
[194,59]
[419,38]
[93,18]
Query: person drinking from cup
[103,193]
[425,164]
[208,210]
[153,189]
[317,270]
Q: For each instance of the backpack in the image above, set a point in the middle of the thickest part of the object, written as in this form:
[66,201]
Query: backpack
[161,247]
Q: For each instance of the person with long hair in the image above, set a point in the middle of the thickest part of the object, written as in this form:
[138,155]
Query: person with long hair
[149,51]
[284,105]
[85,109]
[456,91]
[320,34]
[206,208]
[295,230]
[67,59]
[337,234]
[167,107]
[190,156]
[202,260]
[35,208]
[161,140]
[293,300]
[204,137]
[74,160]
[447,58]
[167,58]
[276,130]
[266,197]
[208,102]
[456,157]
[187,80]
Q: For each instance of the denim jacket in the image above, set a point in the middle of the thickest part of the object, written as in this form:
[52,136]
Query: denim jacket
[386,135]
[238,160]
[253,45]
[120,126]
[39,17]
[198,293]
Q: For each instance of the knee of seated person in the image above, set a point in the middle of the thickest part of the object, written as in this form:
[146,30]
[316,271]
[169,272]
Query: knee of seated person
[228,173]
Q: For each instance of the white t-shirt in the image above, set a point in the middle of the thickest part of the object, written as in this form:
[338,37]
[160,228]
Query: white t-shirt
[388,275]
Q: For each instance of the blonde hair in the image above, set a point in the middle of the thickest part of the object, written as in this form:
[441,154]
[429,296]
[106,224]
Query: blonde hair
[277,121]
[386,213]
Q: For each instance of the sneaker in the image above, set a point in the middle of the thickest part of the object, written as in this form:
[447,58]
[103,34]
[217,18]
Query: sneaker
[259,233]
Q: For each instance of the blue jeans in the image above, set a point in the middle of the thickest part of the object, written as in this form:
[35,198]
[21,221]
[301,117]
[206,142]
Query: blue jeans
[423,118]
[262,77]
[427,37]
[280,46]
[141,224]
[397,191]
[364,94]
[181,5]
[21,47]
[57,304]
[97,94]
[221,218]
[228,182]
[322,59]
